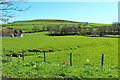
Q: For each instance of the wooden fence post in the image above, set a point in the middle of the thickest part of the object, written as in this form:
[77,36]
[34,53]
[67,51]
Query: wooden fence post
[44,56]
[4,50]
[70,59]
[10,57]
[102,62]
[23,55]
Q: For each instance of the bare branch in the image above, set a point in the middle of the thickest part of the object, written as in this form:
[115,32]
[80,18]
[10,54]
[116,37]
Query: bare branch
[7,6]
[6,15]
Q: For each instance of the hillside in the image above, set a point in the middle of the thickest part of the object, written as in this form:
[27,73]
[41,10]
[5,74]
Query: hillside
[45,24]
[49,20]
[54,21]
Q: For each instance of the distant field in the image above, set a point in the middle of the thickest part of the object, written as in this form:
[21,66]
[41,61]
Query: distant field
[82,47]
[40,23]
[41,40]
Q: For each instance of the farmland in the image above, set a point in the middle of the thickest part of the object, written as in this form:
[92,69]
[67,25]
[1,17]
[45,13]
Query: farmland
[42,24]
[86,53]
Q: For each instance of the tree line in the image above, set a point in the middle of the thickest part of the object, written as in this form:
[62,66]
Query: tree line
[75,29]
[86,31]
[78,29]
[48,27]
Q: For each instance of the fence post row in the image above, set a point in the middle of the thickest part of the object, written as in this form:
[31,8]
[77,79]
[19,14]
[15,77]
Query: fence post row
[102,60]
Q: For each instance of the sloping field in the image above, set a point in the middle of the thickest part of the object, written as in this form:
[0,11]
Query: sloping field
[49,21]
[86,55]
[86,52]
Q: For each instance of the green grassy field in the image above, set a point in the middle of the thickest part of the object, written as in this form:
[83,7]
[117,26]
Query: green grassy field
[30,24]
[86,52]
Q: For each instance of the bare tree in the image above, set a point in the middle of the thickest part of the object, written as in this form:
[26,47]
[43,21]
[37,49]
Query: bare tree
[8,6]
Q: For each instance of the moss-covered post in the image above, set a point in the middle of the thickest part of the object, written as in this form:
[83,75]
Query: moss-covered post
[70,59]
[10,57]
[44,57]
[4,50]
[23,55]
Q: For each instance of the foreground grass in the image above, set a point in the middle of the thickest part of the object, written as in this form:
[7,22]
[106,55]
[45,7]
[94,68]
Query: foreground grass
[37,69]
[83,49]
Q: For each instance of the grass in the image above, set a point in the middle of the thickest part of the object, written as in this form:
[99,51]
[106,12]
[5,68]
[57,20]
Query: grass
[30,24]
[39,69]
[86,53]
[83,49]
[40,40]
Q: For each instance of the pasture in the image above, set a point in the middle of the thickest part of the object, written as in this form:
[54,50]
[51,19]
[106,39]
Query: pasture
[55,63]
[86,53]
[27,26]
